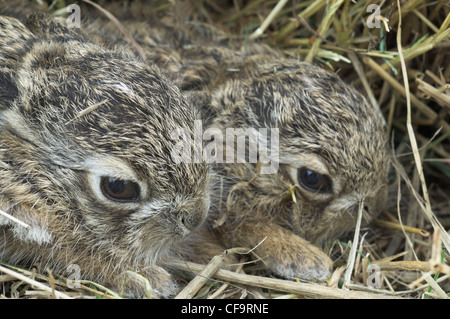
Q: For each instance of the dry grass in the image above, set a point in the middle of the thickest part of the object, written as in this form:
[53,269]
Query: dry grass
[405,73]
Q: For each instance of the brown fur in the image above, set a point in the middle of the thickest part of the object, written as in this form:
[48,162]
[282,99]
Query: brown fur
[325,125]
[51,159]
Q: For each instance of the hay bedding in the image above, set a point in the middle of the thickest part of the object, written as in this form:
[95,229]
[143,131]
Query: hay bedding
[406,74]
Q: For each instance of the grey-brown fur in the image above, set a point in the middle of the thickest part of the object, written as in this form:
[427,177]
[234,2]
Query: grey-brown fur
[325,125]
[51,159]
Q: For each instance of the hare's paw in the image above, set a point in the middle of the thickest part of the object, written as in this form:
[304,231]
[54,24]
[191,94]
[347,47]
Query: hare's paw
[311,269]
[305,262]
[152,282]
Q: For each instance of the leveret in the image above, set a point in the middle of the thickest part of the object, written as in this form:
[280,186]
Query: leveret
[85,159]
[332,162]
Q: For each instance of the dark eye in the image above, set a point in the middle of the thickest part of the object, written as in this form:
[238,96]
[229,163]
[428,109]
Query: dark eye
[119,190]
[314,181]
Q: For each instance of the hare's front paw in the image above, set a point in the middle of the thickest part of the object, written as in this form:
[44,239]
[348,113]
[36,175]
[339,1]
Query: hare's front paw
[290,256]
[152,282]
[307,263]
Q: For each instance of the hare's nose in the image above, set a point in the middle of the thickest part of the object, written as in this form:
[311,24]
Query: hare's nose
[193,216]
[376,204]
[190,220]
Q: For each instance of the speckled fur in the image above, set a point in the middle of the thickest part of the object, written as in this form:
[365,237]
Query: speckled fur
[325,125]
[51,158]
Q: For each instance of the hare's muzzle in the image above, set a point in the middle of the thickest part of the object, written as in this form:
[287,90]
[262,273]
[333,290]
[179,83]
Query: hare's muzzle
[191,216]
[190,220]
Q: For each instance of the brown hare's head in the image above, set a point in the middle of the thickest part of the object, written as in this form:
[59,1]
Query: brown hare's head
[86,151]
[331,145]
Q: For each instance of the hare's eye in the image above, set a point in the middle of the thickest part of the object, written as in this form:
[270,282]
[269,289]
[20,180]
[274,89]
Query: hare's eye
[119,190]
[314,181]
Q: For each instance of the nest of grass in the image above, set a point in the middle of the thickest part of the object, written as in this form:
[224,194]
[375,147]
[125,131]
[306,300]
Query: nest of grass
[397,54]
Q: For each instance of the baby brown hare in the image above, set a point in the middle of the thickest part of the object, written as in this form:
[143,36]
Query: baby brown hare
[331,158]
[85,159]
